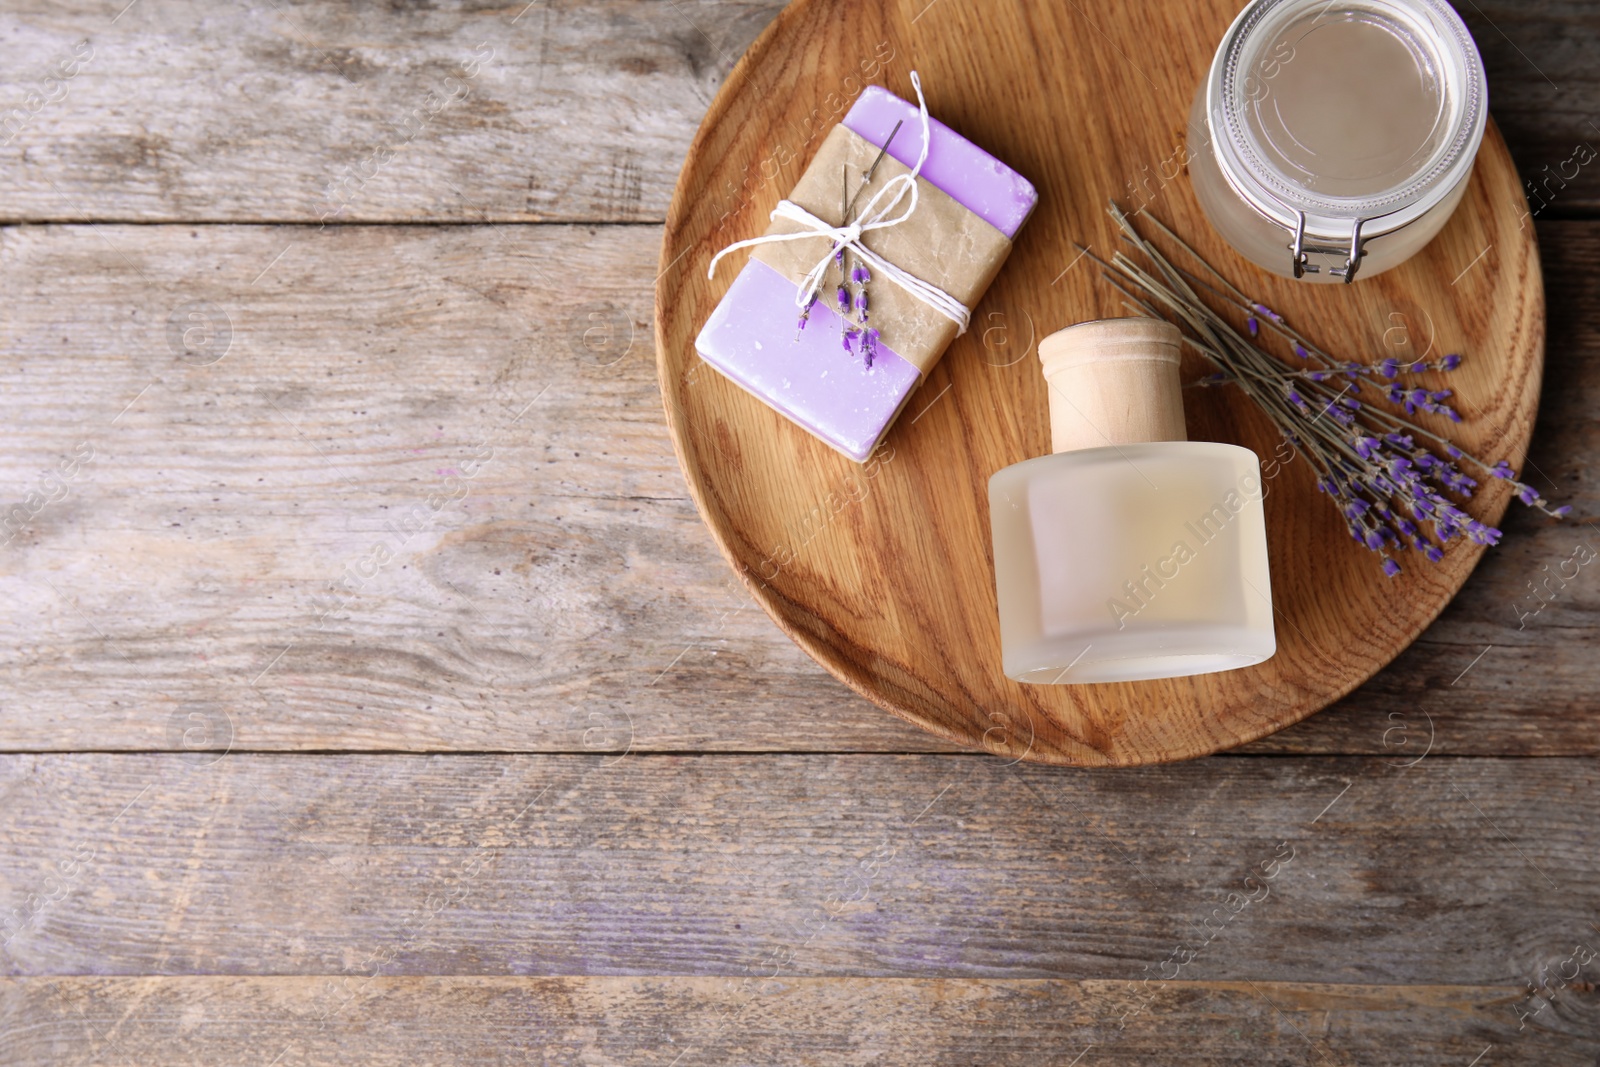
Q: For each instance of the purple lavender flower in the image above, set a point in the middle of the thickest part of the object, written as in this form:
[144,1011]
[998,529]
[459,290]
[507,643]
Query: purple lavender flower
[1450,362]
[1390,567]
[843,296]
[1253,325]
[869,346]
[861,303]
[1563,511]
[1365,446]
[1482,533]
[1262,309]
[860,275]
[1433,552]
[1300,351]
[1501,470]
[1389,368]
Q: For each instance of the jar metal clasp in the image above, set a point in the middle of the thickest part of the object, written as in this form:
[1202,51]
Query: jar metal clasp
[1301,253]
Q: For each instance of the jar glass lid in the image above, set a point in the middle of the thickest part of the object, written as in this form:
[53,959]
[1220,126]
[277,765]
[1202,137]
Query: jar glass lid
[1327,114]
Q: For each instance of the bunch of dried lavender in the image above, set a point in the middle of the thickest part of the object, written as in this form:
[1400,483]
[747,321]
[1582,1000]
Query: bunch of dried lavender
[1386,485]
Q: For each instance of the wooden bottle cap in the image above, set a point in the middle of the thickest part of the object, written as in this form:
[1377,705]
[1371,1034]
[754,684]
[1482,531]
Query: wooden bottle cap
[1113,382]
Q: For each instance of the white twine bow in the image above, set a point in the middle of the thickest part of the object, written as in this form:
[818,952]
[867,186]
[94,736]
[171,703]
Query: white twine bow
[872,217]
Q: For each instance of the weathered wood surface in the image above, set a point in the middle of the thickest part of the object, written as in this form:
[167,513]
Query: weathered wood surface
[828,1022]
[280,111]
[563,596]
[1344,870]
[1543,88]
[581,111]
[569,598]
[629,914]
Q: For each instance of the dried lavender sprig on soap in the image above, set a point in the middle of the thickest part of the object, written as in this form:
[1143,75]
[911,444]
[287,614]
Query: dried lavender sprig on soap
[851,294]
[1387,486]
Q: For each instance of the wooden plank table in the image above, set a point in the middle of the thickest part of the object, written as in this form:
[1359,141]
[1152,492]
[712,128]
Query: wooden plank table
[371,691]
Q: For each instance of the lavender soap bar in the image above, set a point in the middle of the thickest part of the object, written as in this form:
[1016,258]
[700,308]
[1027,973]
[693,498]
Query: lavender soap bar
[828,378]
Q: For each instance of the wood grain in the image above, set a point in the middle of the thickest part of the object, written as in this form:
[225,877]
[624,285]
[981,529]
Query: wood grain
[1357,871]
[842,1021]
[1543,94]
[585,112]
[187,556]
[563,596]
[896,596]
[283,111]
[365,363]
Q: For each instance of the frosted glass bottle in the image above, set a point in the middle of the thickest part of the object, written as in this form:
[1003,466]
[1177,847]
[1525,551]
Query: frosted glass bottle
[1131,552]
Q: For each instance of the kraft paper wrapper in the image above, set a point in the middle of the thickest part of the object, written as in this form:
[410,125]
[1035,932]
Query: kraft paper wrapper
[942,243]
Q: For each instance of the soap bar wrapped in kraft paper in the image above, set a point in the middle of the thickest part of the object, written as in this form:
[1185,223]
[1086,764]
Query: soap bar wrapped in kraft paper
[869,270]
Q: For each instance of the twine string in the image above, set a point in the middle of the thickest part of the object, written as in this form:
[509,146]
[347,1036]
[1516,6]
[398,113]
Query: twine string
[878,214]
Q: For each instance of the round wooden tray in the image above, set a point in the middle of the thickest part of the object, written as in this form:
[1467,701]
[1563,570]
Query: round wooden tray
[883,573]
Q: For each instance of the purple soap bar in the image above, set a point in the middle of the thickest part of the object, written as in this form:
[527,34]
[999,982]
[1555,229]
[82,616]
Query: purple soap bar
[974,179]
[808,375]
[805,374]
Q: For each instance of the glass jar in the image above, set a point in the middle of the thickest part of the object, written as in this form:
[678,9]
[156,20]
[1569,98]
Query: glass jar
[1332,139]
